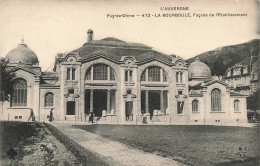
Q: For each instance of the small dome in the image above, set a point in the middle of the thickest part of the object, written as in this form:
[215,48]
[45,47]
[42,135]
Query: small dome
[22,54]
[198,69]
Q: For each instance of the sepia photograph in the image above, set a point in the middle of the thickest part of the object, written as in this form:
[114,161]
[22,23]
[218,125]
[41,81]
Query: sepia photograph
[129,82]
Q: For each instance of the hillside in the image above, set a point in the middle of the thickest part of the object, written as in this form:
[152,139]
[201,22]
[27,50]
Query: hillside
[222,58]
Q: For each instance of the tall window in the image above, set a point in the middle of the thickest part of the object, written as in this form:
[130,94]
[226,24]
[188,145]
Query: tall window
[179,76]
[48,99]
[128,75]
[71,73]
[100,72]
[216,100]
[195,106]
[180,105]
[154,74]
[19,94]
[236,105]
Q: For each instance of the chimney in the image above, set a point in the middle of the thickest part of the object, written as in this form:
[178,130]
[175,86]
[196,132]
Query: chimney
[90,35]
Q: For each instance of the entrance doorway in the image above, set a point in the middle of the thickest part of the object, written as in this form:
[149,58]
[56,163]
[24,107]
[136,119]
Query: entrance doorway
[129,110]
[70,108]
[102,99]
[157,100]
[154,101]
[99,102]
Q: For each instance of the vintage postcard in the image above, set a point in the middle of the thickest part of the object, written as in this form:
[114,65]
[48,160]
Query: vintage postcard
[148,82]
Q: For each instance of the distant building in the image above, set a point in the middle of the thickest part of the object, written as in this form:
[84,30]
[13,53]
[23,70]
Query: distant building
[121,82]
[243,76]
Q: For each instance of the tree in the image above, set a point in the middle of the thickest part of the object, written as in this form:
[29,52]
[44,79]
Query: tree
[253,101]
[6,84]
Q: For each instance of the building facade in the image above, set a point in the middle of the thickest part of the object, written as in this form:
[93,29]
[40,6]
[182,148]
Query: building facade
[120,82]
[243,76]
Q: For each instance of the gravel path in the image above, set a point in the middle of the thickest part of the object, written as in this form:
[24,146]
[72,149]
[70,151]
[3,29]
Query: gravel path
[114,153]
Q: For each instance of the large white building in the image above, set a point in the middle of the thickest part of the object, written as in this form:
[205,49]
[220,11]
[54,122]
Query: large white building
[127,80]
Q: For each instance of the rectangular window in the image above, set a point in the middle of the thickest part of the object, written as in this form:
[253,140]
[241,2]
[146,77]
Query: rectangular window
[130,75]
[180,107]
[16,117]
[177,76]
[129,91]
[73,74]
[68,73]
[20,117]
[71,91]
[179,92]
[181,76]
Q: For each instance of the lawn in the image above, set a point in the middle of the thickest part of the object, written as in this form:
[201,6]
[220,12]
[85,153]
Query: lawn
[194,145]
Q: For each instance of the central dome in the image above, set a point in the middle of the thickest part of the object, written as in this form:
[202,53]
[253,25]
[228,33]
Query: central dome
[22,54]
[199,70]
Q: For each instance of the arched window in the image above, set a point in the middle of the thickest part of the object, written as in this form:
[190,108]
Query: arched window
[154,74]
[19,94]
[100,72]
[195,106]
[236,105]
[48,99]
[216,100]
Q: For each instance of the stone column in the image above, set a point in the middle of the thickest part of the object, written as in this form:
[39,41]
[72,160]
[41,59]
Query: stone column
[91,100]
[36,99]
[161,102]
[146,101]
[108,101]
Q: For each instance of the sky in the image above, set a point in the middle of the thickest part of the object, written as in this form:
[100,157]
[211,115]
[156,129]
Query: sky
[52,26]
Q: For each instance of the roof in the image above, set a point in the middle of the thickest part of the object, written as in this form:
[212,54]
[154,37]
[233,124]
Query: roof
[208,82]
[236,94]
[111,41]
[22,54]
[195,93]
[113,49]
[198,69]
[32,70]
[50,75]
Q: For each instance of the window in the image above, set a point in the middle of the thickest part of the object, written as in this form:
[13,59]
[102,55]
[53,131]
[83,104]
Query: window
[180,92]
[71,73]
[71,91]
[68,73]
[129,91]
[179,76]
[180,105]
[19,94]
[216,100]
[100,72]
[236,105]
[154,74]
[128,75]
[48,100]
[195,107]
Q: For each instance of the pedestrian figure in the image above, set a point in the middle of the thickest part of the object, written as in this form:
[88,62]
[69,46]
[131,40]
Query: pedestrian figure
[91,116]
[51,116]
[31,115]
